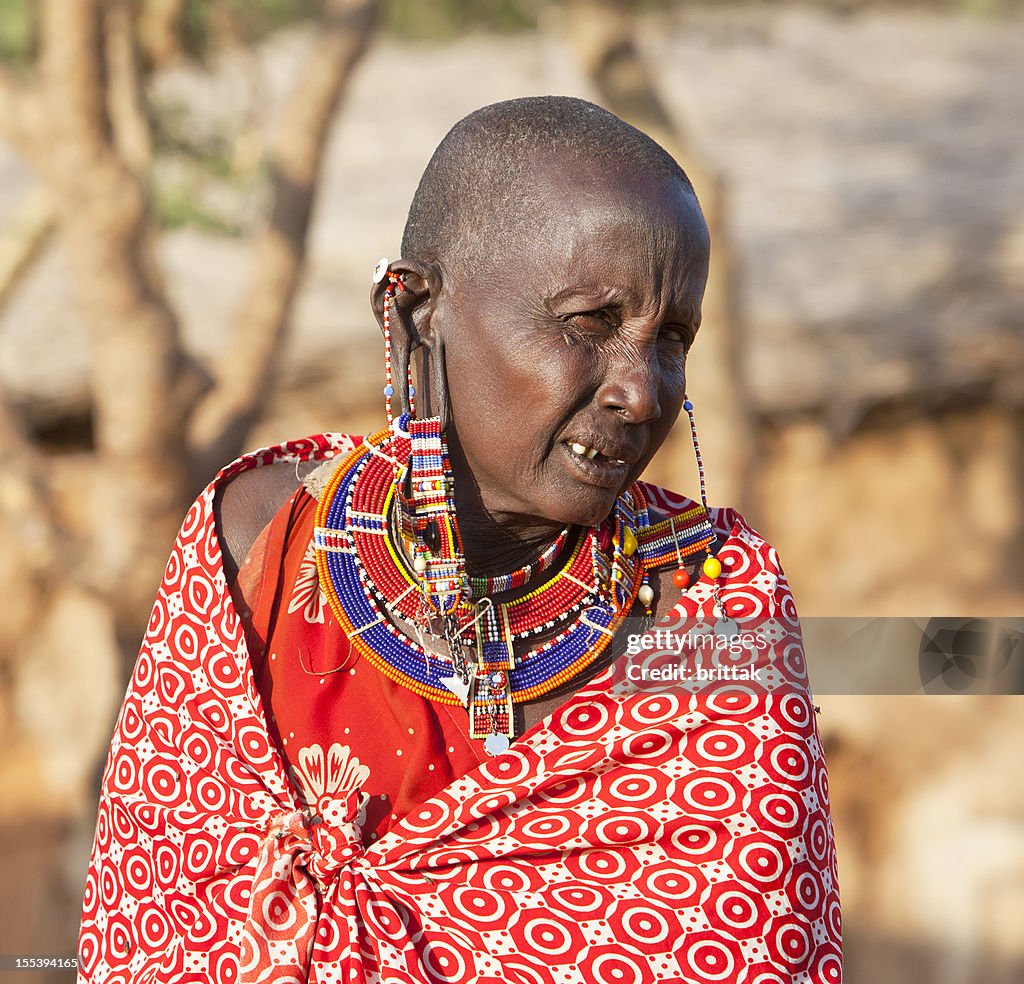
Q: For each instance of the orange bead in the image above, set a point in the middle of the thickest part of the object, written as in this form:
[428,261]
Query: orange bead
[681,578]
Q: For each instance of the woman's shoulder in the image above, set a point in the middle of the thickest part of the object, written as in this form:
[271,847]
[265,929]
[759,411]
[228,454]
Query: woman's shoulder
[663,504]
[752,577]
[730,527]
[246,494]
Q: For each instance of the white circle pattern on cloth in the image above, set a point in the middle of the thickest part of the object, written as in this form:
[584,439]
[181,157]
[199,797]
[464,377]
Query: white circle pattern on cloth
[632,837]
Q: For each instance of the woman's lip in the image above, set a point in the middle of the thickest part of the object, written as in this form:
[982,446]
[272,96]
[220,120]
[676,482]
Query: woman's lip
[598,471]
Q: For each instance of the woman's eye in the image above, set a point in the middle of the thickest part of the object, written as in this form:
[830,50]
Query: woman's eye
[676,335]
[590,323]
[585,328]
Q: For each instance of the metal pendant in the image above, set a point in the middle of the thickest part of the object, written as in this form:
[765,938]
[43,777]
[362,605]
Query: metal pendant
[457,686]
[727,627]
[496,744]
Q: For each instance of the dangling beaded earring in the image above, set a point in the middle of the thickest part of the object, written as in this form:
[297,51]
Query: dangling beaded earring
[395,285]
[697,536]
[425,488]
[426,493]
[712,566]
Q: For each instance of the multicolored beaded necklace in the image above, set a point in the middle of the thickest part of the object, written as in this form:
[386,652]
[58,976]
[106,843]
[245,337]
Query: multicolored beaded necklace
[374,571]
[367,579]
[499,583]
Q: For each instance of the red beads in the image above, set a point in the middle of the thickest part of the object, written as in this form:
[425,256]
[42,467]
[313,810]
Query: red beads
[681,578]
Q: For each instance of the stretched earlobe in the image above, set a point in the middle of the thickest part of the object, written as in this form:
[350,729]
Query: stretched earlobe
[398,359]
[402,297]
[439,387]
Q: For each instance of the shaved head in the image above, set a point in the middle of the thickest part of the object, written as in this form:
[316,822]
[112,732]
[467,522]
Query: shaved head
[478,195]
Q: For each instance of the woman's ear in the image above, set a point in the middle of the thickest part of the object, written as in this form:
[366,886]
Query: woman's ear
[410,288]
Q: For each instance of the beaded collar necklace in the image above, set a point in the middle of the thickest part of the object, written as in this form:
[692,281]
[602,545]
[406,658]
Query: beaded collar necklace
[368,582]
[499,583]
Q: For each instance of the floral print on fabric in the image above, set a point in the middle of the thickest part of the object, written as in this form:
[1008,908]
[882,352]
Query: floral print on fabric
[307,595]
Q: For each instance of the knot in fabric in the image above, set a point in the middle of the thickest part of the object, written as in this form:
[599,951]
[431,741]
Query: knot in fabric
[336,834]
[300,857]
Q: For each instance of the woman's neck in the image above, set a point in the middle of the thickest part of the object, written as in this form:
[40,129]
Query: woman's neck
[494,546]
[494,542]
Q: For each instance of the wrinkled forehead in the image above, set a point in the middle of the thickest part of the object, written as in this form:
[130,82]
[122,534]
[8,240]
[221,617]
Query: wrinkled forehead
[575,213]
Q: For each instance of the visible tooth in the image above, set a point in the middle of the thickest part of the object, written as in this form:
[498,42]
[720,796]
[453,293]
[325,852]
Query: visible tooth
[617,461]
[591,452]
[578,448]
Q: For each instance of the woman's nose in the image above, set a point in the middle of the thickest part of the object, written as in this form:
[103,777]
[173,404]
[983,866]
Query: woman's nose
[631,388]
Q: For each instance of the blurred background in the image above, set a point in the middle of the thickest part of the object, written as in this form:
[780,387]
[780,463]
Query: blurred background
[193,194]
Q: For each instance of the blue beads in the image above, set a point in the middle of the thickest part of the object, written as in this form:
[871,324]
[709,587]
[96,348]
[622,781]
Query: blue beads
[403,659]
[389,390]
[687,406]
[412,391]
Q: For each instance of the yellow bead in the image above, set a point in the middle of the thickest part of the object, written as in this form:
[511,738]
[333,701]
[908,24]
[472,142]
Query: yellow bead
[629,542]
[712,567]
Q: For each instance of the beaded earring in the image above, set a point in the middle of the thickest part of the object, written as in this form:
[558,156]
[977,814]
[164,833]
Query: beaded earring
[426,497]
[425,487]
[395,286]
[712,566]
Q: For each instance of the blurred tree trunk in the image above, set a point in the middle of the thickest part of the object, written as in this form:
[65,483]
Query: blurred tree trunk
[228,412]
[603,33]
[125,96]
[23,240]
[161,31]
[81,122]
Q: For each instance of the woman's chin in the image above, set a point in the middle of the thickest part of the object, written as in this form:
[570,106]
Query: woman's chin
[559,502]
[587,506]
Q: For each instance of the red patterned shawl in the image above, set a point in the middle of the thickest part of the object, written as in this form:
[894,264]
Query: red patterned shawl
[629,837]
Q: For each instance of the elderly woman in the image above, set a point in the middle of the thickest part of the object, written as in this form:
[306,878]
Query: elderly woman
[379,729]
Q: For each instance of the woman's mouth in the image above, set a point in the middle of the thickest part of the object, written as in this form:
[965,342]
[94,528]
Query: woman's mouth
[596,466]
[591,453]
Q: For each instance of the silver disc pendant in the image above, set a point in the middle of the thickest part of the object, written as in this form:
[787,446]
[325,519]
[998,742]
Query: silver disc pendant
[727,627]
[496,744]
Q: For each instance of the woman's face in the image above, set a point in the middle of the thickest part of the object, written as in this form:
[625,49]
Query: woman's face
[566,361]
